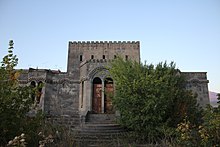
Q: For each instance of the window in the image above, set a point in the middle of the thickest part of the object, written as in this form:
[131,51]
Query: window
[92,56]
[103,56]
[126,57]
[80,58]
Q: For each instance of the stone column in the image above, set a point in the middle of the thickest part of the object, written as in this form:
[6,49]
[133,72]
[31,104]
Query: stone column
[80,96]
[90,94]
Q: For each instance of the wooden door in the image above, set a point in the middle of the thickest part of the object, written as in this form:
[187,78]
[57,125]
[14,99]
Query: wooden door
[97,98]
[109,91]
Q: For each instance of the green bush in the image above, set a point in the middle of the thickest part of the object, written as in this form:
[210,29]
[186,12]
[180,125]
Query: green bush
[152,100]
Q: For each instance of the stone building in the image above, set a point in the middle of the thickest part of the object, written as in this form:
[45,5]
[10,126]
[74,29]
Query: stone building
[72,97]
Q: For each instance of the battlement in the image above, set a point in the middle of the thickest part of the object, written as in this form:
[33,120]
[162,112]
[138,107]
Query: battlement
[101,51]
[104,42]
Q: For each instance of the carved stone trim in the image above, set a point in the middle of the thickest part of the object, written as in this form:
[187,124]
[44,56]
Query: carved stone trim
[92,73]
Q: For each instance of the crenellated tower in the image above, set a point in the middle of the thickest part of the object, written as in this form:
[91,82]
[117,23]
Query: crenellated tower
[80,51]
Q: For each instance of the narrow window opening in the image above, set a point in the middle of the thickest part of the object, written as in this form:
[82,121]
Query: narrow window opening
[103,56]
[92,56]
[80,57]
[126,57]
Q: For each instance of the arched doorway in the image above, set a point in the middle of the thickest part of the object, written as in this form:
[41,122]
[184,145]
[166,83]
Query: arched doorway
[109,92]
[97,95]
[39,92]
[33,94]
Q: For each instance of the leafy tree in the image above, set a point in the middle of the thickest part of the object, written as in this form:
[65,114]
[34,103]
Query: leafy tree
[218,98]
[210,129]
[151,99]
[14,99]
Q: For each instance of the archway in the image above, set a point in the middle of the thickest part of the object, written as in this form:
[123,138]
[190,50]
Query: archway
[39,92]
[109,93]
[33,85]
[97,95]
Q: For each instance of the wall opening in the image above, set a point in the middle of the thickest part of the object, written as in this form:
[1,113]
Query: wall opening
[33,94]
[126,57]
[109,93]
[80,57]
[92,56]
[97,95]
[39,91]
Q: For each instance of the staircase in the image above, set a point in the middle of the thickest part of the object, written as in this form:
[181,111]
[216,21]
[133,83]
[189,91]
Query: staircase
[100,118]
[99,129]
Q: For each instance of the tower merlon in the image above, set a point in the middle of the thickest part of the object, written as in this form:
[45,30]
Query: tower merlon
[104,42]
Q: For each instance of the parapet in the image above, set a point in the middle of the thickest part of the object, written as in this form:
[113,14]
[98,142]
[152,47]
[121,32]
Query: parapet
[104,42]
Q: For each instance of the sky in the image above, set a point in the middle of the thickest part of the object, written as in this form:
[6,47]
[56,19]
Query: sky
[184,31]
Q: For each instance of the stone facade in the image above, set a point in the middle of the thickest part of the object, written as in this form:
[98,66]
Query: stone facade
[67,97]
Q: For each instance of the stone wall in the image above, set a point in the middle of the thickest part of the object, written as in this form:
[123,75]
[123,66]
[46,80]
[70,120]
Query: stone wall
[61,95]
[81,51]
[198,83]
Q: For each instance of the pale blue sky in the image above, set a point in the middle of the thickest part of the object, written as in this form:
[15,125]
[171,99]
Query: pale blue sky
[184,31]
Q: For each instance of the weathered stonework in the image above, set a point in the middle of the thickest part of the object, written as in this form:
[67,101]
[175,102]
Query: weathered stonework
[67,97]
[198,83]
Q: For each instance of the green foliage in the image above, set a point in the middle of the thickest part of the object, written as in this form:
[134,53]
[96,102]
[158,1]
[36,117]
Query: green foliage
[151,99]
[15,104]
[205,134]
[14,99]
[211,126]
[218,98]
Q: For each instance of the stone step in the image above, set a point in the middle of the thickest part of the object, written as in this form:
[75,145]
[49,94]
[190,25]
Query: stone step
[95,133]
[101,127]
[99,139]
[101,118]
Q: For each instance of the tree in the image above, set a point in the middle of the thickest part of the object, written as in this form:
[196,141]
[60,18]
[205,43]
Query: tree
[218,98]
[15,103]
[151,99]
[15,100]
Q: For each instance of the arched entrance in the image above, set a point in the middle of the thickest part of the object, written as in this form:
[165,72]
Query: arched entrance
[33,85]
[109,92]
[39,92]
[97,95]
